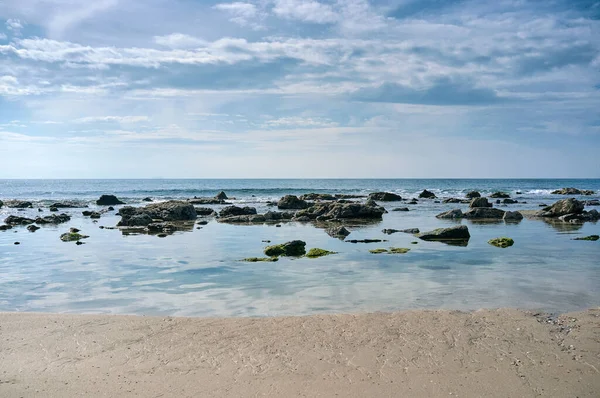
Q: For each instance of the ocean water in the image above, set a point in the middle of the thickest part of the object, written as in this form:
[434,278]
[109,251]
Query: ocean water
[198,272]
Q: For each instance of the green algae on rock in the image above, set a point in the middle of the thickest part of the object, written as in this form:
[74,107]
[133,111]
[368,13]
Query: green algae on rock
[72,237]
[260,259]
[399,250]
[294,248]
[502,242]
[591,237]
[316,252]
[378,251]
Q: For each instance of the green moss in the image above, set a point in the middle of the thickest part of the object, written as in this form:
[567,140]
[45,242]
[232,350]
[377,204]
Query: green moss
[260,259]
[275,250]
[72,237]
[591,237]
[315,252]
[378,251]
[294,248]
[399,250]
[415,243]
[503,242]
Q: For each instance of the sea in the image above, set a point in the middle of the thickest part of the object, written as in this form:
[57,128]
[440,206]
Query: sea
[199,273]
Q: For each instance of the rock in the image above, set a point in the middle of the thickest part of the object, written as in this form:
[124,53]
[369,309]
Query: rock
[366,240]
[66,205]
[390,231]
[436,201]
[294,248]
[501,242]
[260,259]
[249,218]
[110,208]
[204,211]
[109,200]
[203,222]
[161,227]
[208,201]
[91,214]
[500,195]
[413,202]
[289,202]
[16,220]
[401,209]
[17,243]
[512,216]
[230,211]
[542,205]
[473,194]
[18,204]
[302,219]
[336,210]
[510,201]
[452,200]
[385,196]
[314,253]
[54,209]
[40,210]
[53,219]
[317,196]
[74,230]
[451,214]
[458,233]
[561,208]
[72,237]
[519,193]
[147,200]
[1,204]
[479,202]
[591,237]
[162,235]
[572,191]
[594,202]
[95,215]
[135,220]
[5,227]
[221,196]
[337,232]
[427,194]
[87,213]
[32,228]
[584,216]
[79,243]
[399,250]
[411,231]
[378,251]
[484,213]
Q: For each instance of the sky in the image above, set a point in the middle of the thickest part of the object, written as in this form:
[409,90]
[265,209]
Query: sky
[299,89]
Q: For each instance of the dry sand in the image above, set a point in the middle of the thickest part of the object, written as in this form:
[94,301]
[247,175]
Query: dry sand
[491,353]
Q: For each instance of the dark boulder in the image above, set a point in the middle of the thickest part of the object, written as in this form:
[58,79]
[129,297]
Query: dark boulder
[479,202]
[67,205]
[18,204]
[1,204]
[317,196]
[385,197]
[32,228]
[294,248]
[473,194]
[451,214]
[572,191]
[401,209]
[336,210]
[109,200]
[427,194]
[500,195]
[337,232]
[147,199]
[230,211]
[5,227]
[221,196]
[16,220]
[459,233]
[452,200]
[594,202]
[510,201]
[172,210]
[53,219]
[135,220]
[483,213]
[204,211]
[291,202]
[208,201]
[561,208]
[512,216]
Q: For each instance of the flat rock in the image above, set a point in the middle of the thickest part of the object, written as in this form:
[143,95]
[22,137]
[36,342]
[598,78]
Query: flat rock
[385,196]
[500,195]
[17,220]
[512,216]
[458,233]
[572,191]
[451,214]
[53,219]
[230,211]
[18,204]
[484,213]
[335,210]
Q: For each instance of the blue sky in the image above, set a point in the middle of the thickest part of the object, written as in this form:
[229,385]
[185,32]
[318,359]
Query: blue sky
[289,88]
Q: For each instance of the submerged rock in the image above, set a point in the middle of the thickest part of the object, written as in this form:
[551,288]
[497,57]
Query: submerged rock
[109,200]
[591,237]
[572,191]
[500,195]
[337,232]
[294,248]
[401,209]
[289,202]
[561,208]
[260,259]
[5,227]
[473,194]
[18,204]
[16,220]
[479,202]
[458,233]
[427,194]
[378,251]
[366,240]
[148,199]
[32,228]
[315,252]
[72,237]
[237,211]
[510,201]
[385,196]
[484,213]
[501,242]
[453,200]
[451,214]
[53,219]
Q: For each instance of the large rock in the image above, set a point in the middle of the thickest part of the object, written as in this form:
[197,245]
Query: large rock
[451,214]
[561,208]
[16,220]
[18,204]
[208,201]
[66,205]
[230,211]
[5,227]
[294,248]
[221,196]
[473,194]
[289,202]
[335,210]
[385,196]
[317,196]
[268,217]
[512,216]
[500,195]
[484,213]
[458,234]
[53,219]
[572,191]
[455,200]
[109,200]
[173,210]
[204,211]
[427,194]
[479,202]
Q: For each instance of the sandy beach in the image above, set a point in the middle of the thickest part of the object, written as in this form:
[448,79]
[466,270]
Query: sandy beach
[500,353]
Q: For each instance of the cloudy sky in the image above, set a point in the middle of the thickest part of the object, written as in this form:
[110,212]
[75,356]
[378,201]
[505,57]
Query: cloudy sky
[291,88]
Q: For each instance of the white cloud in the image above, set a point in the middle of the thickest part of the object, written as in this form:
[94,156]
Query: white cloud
[179,40]
[3,36]
[118,119]
[305,10]
[14,25]
[244,14]
[296,121]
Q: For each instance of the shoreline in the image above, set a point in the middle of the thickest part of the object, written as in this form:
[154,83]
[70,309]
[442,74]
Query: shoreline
[503,352]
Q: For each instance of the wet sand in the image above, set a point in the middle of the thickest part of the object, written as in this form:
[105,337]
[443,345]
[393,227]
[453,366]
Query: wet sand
[499,353]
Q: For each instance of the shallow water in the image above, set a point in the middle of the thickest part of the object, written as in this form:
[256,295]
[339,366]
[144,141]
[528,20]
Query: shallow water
[198,273]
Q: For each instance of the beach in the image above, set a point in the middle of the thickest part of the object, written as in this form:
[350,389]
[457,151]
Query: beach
[432,353]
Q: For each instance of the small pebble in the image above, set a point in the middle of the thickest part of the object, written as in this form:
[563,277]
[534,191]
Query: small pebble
[17,243]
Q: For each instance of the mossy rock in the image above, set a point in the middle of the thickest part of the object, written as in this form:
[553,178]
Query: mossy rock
[260,259]
[316,252]
[414,243]
[399,250]
[295,248]
[591,237]
[501,242]
[378,251]
[72,237]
